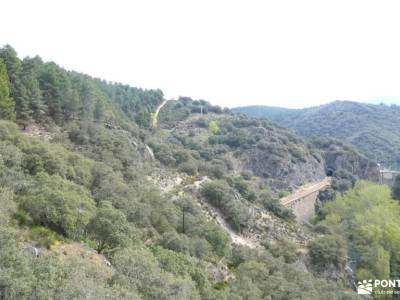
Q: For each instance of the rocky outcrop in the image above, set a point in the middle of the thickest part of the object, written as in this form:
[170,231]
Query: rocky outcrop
[337,158]
[282,173]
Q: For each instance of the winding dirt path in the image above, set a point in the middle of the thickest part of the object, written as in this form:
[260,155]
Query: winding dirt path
[155,116]
[236,238]
[216,214]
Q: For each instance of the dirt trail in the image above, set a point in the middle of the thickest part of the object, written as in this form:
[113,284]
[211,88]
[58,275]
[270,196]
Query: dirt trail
[151,153]
[306,190]
[216,214]
[155,116]
[236,238]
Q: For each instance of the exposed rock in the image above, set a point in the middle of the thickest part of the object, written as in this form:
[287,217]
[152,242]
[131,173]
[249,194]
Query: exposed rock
[282,173]
[150,152]
[219,272]
[360,166]
[32,250]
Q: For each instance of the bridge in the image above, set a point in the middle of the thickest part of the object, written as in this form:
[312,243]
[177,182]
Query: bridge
[302,201]
[388,176]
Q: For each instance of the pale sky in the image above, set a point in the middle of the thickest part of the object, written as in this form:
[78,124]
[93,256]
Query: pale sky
[231,53]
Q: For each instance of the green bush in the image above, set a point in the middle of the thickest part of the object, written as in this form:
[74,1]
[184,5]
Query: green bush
[189,167]
[276,207]
[217,192]
[22,218]
[109,228]
[43,237]
[284,248]
[59,204]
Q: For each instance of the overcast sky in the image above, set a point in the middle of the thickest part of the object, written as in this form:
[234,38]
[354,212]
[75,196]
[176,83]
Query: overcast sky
[282,53]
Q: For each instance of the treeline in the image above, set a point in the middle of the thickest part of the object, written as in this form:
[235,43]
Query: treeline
[33,90]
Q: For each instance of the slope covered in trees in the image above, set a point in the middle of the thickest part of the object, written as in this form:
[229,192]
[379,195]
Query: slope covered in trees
[50,195]
[44,92]
[92,214]
[372,129]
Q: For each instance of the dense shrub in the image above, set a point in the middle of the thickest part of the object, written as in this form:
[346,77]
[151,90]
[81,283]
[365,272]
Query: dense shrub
[43,237]
[276,207]
[59,204]
[109,228]
[328,250]
[189,167]
[219,194]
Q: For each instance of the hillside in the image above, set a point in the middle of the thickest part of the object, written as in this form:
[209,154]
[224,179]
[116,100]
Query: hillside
[372,129]
[103,198]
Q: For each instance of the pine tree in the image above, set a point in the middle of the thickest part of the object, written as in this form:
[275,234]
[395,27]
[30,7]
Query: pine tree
[13,65]
[23,113]
[7,105]
[99,111]
[32,106]
[70,103]
[51,87]
[88,100]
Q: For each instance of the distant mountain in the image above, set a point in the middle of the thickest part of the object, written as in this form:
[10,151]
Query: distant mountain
[373,129]
[271,112]
[385,100]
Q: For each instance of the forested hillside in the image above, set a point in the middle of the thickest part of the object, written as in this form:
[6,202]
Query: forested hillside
[98,204]
[45,93]
[372,129]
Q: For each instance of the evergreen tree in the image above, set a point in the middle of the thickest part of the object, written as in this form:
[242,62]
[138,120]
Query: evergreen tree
[70,101]
[46,90]
[22,109]
[13,65]
[99,111]
[7,105]
[32,102]
[50,84]
[88,100]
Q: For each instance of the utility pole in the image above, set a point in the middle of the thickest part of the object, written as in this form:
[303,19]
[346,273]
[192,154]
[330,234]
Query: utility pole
[184,209]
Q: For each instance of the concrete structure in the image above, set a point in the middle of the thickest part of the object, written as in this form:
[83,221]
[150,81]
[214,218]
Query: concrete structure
[388,176]
[302,202]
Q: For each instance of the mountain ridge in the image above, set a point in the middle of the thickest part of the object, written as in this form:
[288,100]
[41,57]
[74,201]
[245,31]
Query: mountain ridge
[371,128]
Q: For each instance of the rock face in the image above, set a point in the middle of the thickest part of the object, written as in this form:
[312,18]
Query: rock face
[358,165]
[32,249]
[282,173]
